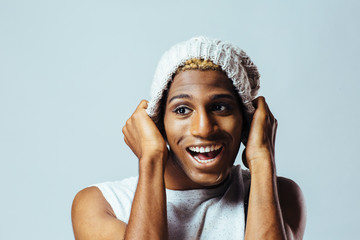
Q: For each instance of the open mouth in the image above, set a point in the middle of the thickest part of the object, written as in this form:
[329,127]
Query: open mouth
[205,154]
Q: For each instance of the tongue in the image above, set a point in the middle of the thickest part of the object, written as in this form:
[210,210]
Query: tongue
[206,156]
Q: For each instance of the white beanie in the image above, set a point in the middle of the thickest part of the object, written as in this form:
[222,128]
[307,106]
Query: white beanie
[232,60]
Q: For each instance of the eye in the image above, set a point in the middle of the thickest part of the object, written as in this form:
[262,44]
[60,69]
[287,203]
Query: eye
[221,107]
[181,110]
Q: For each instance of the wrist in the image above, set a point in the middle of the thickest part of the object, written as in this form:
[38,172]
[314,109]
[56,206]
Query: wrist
[152,164]
[262,167]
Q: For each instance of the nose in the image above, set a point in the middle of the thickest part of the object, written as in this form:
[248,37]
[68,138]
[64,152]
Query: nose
[203,125]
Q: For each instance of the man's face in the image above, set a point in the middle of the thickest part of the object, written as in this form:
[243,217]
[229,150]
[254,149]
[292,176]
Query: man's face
[203,123]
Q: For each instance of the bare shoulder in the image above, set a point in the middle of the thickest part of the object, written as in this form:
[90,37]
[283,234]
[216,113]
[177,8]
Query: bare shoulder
[93,218]
[293,209]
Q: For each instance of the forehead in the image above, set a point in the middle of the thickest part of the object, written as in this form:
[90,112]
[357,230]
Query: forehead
[201,82]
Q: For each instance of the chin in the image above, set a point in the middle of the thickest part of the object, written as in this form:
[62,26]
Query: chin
[189,174]
[209,180]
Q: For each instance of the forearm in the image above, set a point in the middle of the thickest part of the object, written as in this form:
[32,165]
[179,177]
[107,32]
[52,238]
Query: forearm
[148,218]
[264,213]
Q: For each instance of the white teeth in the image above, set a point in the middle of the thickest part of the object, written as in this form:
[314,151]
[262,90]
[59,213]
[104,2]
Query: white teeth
[205,149]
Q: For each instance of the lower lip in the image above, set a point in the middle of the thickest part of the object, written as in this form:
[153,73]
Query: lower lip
[209,161]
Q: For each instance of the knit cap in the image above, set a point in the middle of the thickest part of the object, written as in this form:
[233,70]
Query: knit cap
[233,61]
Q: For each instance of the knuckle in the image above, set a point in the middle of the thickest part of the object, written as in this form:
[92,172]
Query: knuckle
[143,103]
[136,115]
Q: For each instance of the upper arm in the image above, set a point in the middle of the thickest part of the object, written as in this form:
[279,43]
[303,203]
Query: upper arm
[93,218]
[292,207]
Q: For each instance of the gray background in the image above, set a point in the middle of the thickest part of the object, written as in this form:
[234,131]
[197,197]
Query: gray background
[72,72]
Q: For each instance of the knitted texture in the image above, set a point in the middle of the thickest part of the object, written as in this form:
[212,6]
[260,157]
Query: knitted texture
[233,61]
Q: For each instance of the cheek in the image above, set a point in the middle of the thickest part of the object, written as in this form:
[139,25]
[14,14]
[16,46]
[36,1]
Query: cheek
[233,127]
[173,129]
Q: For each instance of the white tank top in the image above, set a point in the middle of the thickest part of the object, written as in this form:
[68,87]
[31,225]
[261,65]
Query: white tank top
[216,213]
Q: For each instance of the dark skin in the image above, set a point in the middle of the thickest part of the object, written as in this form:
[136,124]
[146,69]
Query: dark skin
[201,113]
[202,110]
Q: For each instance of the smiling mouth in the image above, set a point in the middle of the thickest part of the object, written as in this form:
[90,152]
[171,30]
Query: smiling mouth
[205,154]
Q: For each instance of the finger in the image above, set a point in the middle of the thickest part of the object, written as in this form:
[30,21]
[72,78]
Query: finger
[270,114]
[127,138]
[273,122]
[128,134]
[127,142]
[266,114]
[260,104]
[271,127]
[123,130]
[140,113]
[255,101]
[259,121]
[142,105]
[274,132]
[131,146]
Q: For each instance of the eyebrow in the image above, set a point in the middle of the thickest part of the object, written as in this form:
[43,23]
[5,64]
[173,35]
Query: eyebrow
[219,96]
[214,97]
[180,96]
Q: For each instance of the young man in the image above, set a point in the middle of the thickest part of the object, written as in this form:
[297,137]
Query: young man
[186,138]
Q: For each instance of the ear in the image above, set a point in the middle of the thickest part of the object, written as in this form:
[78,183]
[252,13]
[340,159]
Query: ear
[161,127]
[244,158]
[245,131]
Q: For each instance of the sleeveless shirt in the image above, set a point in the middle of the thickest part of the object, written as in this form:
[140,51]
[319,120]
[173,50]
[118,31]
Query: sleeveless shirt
[215,213]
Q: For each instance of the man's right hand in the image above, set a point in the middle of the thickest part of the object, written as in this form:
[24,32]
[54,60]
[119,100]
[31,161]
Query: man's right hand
[143,137]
